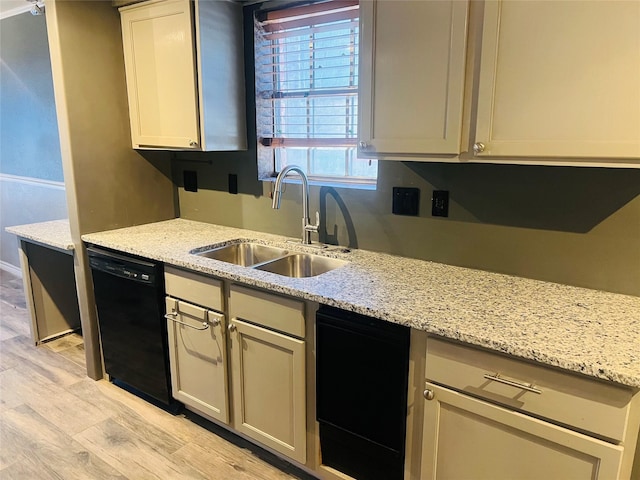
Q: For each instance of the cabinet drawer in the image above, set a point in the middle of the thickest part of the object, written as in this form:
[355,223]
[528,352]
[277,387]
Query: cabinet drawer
[565,398]
[193,287]
[272,311]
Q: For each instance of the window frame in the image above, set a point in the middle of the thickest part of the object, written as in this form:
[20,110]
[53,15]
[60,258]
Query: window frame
[268,153]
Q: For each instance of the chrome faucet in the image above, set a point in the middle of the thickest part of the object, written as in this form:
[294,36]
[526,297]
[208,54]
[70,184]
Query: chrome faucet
[307,227]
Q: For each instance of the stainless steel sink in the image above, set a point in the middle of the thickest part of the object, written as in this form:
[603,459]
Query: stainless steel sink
[301,265]
[271,259]
[244,254]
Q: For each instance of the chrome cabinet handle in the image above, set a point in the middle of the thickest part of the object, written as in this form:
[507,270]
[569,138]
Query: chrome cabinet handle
[478,148]
[172,317]
[232,328]
[428,394]
[193,144]
[215,322]
[363,145]
[524,386]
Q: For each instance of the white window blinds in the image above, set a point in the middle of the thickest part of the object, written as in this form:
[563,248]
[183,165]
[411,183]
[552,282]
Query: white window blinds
[307,89]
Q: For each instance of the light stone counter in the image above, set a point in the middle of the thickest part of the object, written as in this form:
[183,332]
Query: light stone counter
[46,253]
[592,332]
[55,233]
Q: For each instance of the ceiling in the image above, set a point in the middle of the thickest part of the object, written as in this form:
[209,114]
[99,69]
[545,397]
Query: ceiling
[8,8]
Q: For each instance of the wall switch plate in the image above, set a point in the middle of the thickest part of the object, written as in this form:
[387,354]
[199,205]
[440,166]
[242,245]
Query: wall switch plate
[190,180]
[233,183]
[440,203]
[405,201]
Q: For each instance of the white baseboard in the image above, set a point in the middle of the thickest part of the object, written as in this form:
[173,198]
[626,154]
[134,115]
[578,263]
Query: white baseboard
[7,267]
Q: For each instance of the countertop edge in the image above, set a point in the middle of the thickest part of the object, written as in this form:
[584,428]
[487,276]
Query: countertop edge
[55,233]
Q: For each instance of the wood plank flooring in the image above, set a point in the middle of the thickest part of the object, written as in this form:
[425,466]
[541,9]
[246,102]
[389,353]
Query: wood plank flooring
[56,423]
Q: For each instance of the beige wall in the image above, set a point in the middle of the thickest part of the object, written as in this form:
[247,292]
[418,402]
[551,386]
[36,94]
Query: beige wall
[108,184]
[112,185]
[579,226]
[31,182]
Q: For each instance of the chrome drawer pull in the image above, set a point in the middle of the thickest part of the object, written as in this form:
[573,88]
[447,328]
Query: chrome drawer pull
[528,387]
[172,317]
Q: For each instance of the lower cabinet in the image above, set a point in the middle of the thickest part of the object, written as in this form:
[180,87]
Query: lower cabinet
[267,372]
[484,415]
[268,378]
[249,373]
[198,358]
[488,416]
[464,437]
[268,369]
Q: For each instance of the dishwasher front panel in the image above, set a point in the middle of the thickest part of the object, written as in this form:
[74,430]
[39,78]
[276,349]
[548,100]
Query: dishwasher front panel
[129,298]
[361,387]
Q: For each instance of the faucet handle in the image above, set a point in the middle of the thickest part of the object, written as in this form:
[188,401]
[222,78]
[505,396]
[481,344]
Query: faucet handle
[313,228]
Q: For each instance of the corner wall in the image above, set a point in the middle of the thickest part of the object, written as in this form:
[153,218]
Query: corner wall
[31,181]
[109,185]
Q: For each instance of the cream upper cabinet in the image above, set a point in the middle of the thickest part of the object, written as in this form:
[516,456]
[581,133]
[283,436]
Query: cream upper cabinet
[185,78]
[560,79]
[160,65]
[412,69]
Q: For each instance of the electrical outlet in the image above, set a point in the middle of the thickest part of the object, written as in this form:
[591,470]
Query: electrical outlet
[440,203]
[405,201]
[233,183]
[190,180]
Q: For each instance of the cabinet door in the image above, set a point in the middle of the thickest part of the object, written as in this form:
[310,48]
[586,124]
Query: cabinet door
[160,68]
[268,377]
[560,79]
[412,64]
[198,359]
[467,438]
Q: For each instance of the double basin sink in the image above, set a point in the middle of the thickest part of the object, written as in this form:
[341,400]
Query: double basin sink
[272,259]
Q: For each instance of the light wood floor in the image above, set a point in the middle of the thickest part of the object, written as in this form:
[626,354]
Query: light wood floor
[56,423]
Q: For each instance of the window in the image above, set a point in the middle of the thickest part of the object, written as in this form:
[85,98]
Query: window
[307,91]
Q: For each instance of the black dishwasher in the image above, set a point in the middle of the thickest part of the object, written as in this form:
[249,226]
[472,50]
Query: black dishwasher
[362,366]
[129,294]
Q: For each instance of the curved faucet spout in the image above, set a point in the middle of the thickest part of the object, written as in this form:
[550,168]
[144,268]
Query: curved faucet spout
[277,192]
[307,228]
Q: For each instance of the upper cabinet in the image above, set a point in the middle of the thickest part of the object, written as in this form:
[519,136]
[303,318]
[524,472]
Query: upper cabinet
[530,82]
[412,67]
[185,74]
[560,79]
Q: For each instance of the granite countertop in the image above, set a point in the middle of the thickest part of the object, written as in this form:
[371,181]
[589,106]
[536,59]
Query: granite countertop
[55,233]
[588,331]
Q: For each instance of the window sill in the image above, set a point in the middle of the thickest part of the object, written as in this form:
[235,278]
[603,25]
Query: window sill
[326,183]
